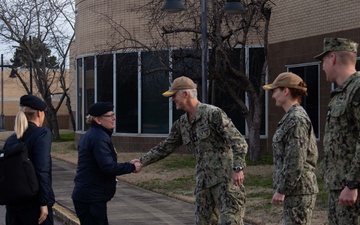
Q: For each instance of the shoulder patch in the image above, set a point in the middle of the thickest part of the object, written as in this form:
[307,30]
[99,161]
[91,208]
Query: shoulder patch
[357,96]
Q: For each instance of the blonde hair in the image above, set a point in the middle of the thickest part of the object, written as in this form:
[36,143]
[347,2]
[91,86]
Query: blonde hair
[22,120]
[89,119]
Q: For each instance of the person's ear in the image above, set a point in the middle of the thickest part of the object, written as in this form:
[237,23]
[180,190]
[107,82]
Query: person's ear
[286,91]
[97,120]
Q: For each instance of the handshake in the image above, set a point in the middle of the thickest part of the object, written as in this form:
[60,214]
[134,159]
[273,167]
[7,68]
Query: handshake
[138,165]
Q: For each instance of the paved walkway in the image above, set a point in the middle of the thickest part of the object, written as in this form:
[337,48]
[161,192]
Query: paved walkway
[131,205]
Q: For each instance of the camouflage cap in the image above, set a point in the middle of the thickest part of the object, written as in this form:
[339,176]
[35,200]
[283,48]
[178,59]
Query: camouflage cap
[337,44]
[289,80]
[180,83]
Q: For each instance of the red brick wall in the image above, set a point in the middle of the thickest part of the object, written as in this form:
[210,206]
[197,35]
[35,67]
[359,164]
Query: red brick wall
[301,51]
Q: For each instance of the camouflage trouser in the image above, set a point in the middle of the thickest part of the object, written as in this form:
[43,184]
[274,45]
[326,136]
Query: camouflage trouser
[342,215]
[298,209]
[225,201]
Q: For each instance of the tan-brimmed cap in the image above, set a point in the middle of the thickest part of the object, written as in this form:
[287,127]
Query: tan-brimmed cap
[180,83]
[337,44]
[287,79]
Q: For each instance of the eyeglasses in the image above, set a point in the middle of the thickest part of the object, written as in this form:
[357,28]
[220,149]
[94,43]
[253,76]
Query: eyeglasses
[111,115]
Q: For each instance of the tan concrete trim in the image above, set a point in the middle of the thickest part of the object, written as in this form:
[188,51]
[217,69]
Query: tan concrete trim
[65,215]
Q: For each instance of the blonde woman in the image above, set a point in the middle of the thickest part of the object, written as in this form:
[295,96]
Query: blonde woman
[28,126]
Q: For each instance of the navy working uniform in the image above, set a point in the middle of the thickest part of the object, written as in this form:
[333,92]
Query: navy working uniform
[341,161]
[217,146]
[295,158]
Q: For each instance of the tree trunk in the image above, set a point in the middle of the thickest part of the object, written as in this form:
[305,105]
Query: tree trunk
[254,144]
[71,115]
[52,123]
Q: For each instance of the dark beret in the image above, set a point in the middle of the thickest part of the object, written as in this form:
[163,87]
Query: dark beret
[100,108]
[33,102]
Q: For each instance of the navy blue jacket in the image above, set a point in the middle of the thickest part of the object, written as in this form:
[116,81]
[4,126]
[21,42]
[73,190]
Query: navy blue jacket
[95,179]
[38,141]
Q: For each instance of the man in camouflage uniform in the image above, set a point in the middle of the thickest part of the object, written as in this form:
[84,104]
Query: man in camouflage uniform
[341,163]
[219,149]
[295,152]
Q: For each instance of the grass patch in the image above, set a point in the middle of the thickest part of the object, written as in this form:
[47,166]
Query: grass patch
[322,196]
[260,194]
[265,160]
[259,181]
[64,137]
[179,161]
[177,185]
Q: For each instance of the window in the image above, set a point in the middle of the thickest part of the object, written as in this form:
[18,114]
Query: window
[89,86]
[142,77]
[186,62]
[104,77]
[79,109]
[154,81]
[310,74]
[127,92]
[254,60]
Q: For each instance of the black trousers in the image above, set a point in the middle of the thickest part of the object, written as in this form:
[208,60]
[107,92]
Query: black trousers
[27,214]
[91,213]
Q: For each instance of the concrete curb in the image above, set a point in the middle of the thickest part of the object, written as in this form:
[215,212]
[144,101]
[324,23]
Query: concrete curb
[65,215]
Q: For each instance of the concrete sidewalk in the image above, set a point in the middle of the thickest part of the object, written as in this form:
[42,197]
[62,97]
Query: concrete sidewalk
[131,205]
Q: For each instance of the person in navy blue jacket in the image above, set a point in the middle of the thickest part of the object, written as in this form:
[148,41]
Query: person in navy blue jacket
[97,168]
[28,126]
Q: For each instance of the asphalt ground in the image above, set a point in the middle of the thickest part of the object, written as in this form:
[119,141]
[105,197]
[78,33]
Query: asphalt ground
[130,205]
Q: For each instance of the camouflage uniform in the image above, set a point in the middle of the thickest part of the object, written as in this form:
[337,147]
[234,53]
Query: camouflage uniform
[295,157]
[217,146]
[342,148]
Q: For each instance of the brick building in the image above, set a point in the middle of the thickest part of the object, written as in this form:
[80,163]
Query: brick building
[13,90]
[297,29]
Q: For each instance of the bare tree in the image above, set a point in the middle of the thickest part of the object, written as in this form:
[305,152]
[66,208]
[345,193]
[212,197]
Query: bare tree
[226,34]
[51,23]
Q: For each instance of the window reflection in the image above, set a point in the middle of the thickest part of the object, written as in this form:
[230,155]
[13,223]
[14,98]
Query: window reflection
[127,92]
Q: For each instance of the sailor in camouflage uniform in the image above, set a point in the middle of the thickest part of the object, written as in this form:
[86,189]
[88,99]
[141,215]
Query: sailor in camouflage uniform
[295,152]
[219,149]
[341,163]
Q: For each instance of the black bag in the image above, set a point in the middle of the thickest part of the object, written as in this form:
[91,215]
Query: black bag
[18,180]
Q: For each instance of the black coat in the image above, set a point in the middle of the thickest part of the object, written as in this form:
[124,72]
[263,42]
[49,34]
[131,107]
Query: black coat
[95,179]
[38,141]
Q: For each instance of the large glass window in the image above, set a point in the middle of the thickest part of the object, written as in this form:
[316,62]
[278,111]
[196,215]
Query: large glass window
[154,78]
[79,70]
[221,98]
[105,70]
[310,74]
[89,84]
[186,62]
[254,59]
[127,92]
[154,81]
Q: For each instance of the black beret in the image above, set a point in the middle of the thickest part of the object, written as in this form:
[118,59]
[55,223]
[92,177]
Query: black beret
[33,102]
[100,108]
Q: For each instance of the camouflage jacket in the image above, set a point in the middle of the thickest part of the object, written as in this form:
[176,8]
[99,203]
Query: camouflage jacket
[342,135]
[213,139]
[295,154]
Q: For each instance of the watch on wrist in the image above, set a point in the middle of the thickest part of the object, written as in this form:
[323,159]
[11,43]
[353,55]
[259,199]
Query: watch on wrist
[352,184]
[238,168]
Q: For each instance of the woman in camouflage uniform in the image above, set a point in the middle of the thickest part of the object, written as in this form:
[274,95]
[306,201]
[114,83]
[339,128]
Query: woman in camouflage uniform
[295,152]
